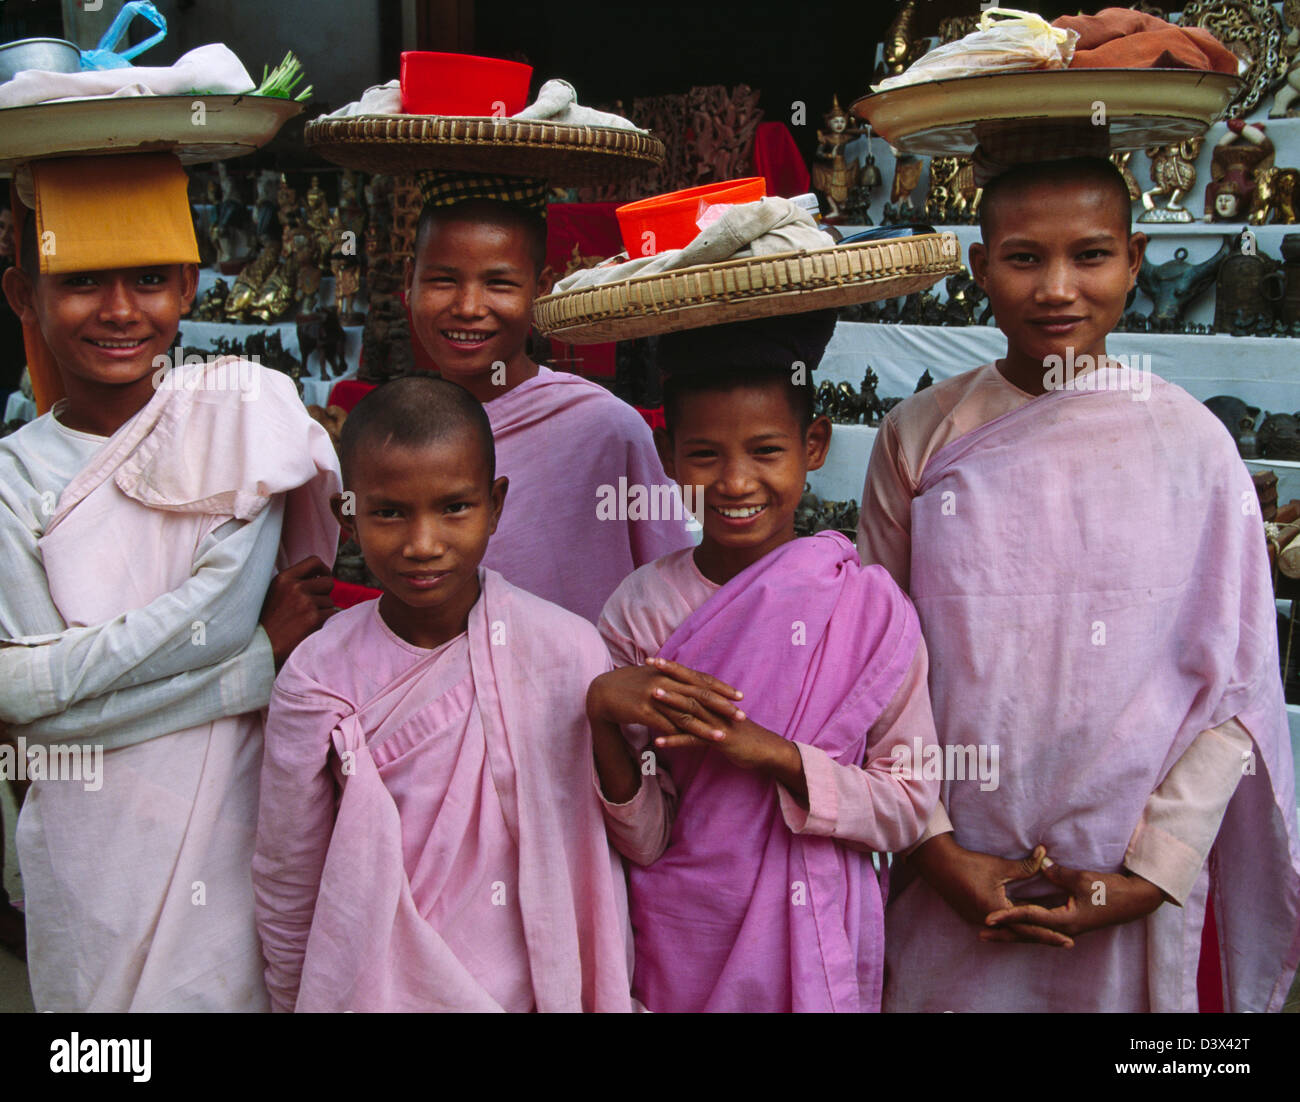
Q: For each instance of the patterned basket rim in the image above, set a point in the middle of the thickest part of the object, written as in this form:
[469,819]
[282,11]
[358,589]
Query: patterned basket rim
[409,143]
[735,290]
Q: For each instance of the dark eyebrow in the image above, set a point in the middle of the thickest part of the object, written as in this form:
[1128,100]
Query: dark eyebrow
[456,493]
[498,270]
[697,440]
[1029,242]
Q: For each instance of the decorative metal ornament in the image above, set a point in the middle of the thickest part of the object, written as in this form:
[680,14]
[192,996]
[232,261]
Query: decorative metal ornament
[1252,30]
[1121,162]
[1173,285]
[1289,309]
[1173,170]
[1247,281]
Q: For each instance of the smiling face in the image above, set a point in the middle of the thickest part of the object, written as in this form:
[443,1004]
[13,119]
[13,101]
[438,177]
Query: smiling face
[1057,263]
[105,328]
[470,290]
[423,516]
[747,450]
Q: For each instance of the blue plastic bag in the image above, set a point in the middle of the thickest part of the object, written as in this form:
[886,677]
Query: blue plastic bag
[104,56]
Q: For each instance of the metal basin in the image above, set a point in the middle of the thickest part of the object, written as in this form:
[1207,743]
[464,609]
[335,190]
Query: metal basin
[52,55]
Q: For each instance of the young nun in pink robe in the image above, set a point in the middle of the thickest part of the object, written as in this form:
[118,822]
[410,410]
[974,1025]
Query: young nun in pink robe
[581,462]
[750,820]
[428,838]
[1091,578]
[141,519]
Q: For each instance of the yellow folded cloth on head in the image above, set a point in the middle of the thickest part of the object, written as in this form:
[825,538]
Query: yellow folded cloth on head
[127,211]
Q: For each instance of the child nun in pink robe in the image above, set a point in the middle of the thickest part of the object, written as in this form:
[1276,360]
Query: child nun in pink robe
[428,837]
[750,829]
[1087,561]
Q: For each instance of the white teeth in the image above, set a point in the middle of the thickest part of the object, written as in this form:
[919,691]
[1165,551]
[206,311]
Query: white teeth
[116,344]
[463,335]
[741,514]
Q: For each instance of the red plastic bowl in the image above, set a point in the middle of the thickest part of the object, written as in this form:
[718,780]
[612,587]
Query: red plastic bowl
[665,222]
[462,84]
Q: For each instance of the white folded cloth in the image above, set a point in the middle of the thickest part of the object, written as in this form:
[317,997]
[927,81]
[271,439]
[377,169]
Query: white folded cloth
[378,99]
[557,101]
[211,69]
[767,226]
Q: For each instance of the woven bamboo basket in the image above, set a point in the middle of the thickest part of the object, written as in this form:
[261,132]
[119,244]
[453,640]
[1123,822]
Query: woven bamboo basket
[565,155]
[753,287]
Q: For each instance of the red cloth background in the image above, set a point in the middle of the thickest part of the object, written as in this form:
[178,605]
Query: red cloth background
[593,228]
[778,160]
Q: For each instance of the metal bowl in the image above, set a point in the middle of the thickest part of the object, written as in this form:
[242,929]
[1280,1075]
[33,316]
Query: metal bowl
[51,55]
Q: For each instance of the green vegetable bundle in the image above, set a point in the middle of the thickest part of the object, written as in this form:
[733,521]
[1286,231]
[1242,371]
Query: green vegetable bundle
[281,80]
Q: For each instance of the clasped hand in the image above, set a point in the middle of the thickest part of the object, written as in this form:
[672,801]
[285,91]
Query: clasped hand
[975,885]
[685,707]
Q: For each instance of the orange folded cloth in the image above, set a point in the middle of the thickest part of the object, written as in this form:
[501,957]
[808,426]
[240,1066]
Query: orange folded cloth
[1120,38]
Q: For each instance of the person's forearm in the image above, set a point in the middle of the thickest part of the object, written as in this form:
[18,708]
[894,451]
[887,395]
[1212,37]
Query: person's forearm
[294,825]
[932,858]
[786,768]
[203,622]
[234,687]
[616,766]
[636,794]
[1181,818]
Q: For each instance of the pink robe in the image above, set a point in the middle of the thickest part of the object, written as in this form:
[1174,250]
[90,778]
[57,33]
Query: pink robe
[138,895]
[465,866]
[757,904]
[565,443]
[1074,599]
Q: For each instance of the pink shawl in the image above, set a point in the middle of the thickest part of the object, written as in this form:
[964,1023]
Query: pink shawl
[369,948]
[565,443]
[739,913]
[192,458]
[1094,592]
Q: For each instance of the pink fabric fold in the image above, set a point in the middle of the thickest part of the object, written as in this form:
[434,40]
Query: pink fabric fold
[370,948]
[565,443]
[740,914]
[1090,629]
[205,449]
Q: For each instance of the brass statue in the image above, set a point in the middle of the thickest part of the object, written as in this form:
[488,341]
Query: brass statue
[907,174]
[249,281]
[1275,197]
[898,48]
[956,177]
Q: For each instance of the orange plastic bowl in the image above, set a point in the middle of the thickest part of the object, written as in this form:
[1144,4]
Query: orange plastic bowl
[462,84]
[665,222]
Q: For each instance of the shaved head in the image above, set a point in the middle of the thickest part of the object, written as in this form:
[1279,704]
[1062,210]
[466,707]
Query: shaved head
[1100,175]
[412,412]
